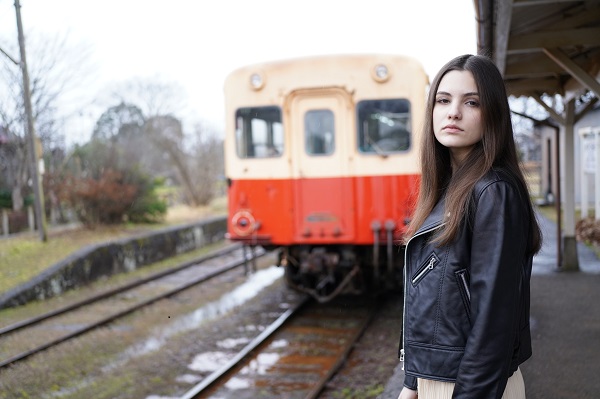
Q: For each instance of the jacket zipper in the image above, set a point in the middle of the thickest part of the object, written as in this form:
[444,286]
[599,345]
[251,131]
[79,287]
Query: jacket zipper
[465,285]
[425,270]
[406,285]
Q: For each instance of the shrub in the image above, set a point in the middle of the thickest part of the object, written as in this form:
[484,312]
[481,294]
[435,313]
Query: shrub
[147,207]
[98,201]
[5,199]
[113,198]
[588,231]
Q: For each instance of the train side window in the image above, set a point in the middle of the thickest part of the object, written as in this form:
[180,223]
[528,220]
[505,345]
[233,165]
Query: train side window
[384,126]
[319,128]
[259,132]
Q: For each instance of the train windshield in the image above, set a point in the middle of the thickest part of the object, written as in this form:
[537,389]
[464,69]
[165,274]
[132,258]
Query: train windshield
[383,126]
[259,132]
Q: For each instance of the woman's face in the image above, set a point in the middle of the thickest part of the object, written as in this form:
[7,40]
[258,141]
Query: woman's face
[457,114]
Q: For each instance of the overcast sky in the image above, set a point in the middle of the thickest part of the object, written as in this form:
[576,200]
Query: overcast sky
[196,43]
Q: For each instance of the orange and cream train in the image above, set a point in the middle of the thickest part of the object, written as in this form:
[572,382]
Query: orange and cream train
[321,159]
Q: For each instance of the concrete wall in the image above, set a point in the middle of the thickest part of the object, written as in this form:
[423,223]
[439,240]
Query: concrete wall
[124,255]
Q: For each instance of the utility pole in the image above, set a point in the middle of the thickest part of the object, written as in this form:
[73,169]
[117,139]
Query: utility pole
[40,214]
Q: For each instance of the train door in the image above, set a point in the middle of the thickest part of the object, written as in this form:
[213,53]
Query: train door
[320,122]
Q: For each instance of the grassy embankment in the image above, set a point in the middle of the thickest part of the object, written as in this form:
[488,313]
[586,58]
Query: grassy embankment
[25,256]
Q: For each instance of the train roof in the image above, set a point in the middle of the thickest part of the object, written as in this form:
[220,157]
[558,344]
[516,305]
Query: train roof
[329,66]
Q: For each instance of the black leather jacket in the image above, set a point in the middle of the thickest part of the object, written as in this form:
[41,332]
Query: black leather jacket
[466,305]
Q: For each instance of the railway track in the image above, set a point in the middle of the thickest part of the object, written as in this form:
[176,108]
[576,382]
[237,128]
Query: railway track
[294,357]
[47,330]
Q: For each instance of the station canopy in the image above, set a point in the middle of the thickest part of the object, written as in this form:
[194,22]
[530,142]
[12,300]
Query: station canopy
[542,46]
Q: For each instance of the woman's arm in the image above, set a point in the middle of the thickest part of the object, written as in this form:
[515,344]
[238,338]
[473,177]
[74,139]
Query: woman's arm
[407,393]
[498,250]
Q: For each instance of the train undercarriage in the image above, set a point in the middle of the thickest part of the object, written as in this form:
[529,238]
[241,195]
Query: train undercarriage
[325,272]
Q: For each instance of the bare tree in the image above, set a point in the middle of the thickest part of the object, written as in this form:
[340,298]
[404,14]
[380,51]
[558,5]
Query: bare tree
[190,160]
[525,111]
[14,164]
[168,150]
[207,162]
[55,69]
[114,122]
[166,135]
[154,96]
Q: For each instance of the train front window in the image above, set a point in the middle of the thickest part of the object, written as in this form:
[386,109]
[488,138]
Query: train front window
[319,132]
[259,132]
[384,126]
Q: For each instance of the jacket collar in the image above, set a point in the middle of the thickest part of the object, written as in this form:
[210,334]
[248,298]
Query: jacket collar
[435,218]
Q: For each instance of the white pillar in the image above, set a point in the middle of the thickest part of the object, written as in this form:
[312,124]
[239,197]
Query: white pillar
[569,180]
[570,258]
[596,133]
[584,165]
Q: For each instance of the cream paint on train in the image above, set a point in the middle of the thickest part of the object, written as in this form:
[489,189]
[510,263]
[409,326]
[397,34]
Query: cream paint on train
[295,86]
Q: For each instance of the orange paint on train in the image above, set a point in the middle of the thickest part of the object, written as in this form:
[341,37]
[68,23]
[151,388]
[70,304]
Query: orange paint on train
[319,210]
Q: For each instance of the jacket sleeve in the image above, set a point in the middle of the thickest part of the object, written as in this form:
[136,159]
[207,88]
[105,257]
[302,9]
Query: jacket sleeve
[498,249]
[410,382]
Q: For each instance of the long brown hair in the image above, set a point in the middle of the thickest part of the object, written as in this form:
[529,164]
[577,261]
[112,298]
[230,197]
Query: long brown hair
[495,150]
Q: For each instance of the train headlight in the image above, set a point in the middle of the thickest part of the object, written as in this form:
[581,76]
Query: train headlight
[381,73]
[243,223]
[257,81]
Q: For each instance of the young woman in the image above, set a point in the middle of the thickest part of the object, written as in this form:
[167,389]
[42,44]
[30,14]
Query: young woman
[469,246]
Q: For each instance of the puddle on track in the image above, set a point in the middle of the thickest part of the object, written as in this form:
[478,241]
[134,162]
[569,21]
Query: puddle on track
[248,290]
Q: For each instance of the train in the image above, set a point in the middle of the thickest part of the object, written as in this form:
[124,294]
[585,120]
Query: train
[321,163]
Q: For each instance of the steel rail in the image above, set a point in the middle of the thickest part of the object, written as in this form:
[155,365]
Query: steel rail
[247,350]
[320,385]
[107,294]
[125,312]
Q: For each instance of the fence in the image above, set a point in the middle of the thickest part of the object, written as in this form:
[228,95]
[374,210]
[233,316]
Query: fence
[17,221]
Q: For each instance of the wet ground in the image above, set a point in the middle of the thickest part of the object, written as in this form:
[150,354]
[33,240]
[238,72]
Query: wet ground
[152,354]
[183,347]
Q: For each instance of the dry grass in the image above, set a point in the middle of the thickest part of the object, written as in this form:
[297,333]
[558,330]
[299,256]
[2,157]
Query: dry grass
[183,214]
[25,256]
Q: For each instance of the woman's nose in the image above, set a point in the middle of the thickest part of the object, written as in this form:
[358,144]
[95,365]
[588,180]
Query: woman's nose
[454,112]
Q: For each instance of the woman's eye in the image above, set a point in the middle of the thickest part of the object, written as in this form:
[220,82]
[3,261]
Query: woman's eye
[472,103]
[442,100]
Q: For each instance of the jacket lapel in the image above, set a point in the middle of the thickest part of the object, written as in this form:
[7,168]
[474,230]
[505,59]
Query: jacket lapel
[435,218]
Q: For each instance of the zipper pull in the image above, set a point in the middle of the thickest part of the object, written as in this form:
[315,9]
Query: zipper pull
[402,358]
[431,262]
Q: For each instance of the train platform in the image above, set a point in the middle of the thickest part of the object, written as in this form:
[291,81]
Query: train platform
[565,327]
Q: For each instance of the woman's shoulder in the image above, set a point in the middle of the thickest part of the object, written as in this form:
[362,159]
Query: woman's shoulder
[496,176]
